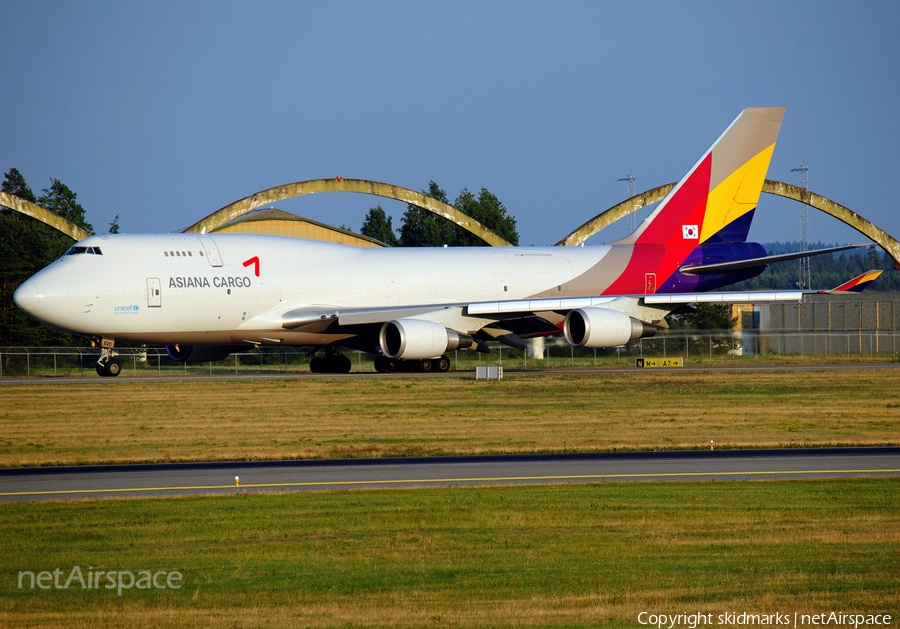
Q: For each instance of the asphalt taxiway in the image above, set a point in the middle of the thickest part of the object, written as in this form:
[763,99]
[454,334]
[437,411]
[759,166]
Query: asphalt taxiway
[182,479]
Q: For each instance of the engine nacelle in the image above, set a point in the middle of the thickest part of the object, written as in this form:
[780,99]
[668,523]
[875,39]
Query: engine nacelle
[417,339]
[200,353]
[602,327]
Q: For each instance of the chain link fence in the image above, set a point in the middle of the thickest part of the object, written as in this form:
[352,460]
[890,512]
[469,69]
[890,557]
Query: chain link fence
[82,361]
[549,353]
[831,327]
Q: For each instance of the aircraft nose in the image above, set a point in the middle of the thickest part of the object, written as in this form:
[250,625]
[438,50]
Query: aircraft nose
[28,297]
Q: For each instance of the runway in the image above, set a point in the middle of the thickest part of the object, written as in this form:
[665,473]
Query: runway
[183,479]
[199,375]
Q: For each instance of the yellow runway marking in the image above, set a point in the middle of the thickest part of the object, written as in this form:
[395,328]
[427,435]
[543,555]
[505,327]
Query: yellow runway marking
[442,480]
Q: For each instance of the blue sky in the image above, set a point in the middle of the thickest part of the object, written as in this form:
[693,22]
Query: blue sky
[163,112]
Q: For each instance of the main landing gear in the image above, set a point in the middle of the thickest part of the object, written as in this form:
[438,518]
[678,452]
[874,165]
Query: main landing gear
[383,364]
[331,362]
[108,366]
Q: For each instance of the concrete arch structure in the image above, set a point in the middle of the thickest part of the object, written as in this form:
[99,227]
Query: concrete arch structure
[277,222]
[361,186]
[610,216]
[52,219]
[778,188]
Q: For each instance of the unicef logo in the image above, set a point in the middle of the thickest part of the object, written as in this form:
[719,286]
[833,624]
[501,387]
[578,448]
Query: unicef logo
[136,307]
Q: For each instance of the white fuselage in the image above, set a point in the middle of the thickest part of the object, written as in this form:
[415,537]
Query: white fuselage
[193,289]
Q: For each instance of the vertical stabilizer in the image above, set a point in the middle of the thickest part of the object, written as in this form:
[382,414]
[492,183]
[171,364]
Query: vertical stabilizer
[712,203]
[722,186]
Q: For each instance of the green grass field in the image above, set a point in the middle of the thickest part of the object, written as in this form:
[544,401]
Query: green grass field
[559,555]
[125,421]
[565,555]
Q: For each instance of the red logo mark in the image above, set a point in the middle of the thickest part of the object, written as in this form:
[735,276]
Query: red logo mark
[254,261]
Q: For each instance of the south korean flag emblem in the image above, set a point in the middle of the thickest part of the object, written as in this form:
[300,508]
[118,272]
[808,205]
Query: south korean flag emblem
[690,232]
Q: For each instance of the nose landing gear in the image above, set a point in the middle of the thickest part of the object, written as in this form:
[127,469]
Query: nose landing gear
[111,369]
[108,365]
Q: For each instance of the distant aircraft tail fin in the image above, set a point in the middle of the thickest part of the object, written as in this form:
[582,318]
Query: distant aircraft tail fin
[857,284]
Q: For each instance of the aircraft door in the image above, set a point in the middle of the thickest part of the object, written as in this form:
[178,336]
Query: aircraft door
[212,251]
[649,283]
[511,277]
[154,292]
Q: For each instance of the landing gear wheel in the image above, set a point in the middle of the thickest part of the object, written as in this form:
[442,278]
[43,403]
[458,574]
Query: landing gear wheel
[341,364]
[335,363]
[426,365]
[108,365]
[113,368]
[442,364]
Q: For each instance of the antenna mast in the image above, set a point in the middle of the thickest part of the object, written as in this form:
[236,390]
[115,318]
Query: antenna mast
[630,179]
[803,169]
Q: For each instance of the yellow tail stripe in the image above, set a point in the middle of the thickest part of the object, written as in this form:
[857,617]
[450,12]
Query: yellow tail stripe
[737,195]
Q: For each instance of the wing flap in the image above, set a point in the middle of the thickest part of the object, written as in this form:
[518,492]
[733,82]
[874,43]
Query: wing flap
[536,305]
[302,317]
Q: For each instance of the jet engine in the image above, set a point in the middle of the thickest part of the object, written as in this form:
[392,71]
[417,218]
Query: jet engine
[602,327]
[417,339]
[200,353]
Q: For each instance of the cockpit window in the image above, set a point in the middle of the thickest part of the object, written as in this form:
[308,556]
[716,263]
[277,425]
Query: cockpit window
[74,251]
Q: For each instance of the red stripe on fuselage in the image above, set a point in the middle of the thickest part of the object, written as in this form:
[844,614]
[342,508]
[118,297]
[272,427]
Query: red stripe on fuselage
[662,248]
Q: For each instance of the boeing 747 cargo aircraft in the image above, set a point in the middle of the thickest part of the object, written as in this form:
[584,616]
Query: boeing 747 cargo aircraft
[205,296]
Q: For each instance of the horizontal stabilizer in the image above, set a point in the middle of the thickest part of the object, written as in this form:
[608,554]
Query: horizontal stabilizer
[752,263]
[857,284]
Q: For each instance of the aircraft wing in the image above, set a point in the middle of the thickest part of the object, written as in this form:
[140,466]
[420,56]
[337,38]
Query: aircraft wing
[492,311]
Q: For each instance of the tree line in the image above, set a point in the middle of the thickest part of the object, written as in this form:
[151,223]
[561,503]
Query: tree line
[27,246]
[421,228]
